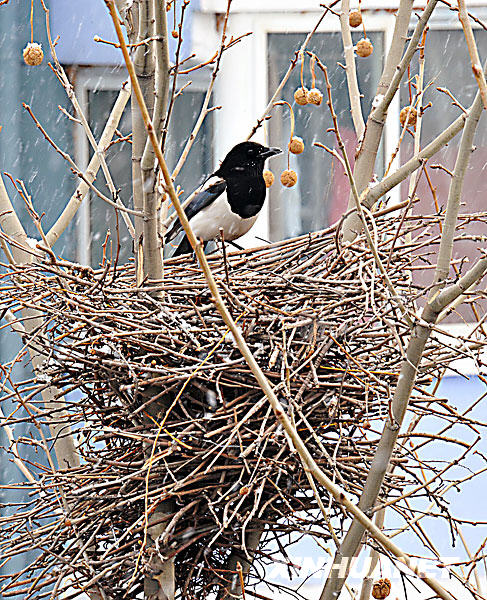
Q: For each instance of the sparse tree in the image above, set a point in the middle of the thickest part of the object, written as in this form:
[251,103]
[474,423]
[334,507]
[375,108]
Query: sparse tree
[232,405]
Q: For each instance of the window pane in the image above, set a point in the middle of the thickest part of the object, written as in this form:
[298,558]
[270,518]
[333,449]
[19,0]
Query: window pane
[321,194]
[198,163]
[118,156]
[447,65]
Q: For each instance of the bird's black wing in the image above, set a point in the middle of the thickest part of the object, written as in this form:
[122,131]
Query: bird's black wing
[210,191]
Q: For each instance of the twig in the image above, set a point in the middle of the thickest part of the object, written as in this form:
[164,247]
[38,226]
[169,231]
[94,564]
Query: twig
[351,71]
[118,205]
[358,202]
[282,83]
[63,78]
[472,50]
[204,108]
[89,175]
[392,75]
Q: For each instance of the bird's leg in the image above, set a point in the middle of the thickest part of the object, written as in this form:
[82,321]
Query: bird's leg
[224,251]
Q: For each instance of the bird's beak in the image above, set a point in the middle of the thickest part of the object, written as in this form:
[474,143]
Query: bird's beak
[268,152]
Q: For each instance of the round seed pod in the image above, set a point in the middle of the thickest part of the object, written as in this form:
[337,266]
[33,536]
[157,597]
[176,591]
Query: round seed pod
[411,118]
[301,96]
[268,178]
[381,589]
[33,54]
[364,48]
[296,145]
[355,18]
[289,178]
[174,34]
[314,96]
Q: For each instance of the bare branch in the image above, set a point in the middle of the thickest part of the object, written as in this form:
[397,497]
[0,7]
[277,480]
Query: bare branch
[472,50]
[351,71]
[76,199]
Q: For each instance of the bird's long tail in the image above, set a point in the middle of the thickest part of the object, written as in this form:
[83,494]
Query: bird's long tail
[184,247]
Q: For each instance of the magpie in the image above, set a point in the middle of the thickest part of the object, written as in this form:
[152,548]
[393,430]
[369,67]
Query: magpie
[230,199]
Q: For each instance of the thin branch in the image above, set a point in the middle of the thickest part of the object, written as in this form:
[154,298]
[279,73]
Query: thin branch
[394,70]
[19,463]
[63,78]
[358,203]
[282,83]
[89,175]
[351,71]
[472,50]
[204,108]
[118,205]
[380,189]
[455,191]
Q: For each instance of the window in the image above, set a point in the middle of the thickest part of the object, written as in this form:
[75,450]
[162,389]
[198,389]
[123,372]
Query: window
[99,89]
[447,65]
[321,194]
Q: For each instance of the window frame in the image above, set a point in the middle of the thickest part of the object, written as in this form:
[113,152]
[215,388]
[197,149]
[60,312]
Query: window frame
[248,101]
[107,78]
[249,62]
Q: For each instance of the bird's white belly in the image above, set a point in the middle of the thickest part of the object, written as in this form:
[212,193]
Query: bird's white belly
[207,223]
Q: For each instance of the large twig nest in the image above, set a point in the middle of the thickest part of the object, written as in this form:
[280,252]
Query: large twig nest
[173,430]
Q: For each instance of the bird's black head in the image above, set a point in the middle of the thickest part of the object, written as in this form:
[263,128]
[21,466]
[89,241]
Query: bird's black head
[246,158]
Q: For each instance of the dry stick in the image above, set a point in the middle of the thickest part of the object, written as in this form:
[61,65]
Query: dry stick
[472,50]
[467,550]
[13,448]
[472,16]
[152,243]
[420,94]
[380,189]
[463,580]
[407,377]
[36,219]
[337,492]
[358,204]
[252,540]
[351,71]
[394,70]
[175,71]
[118,205]
[89,175]
[455,192]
